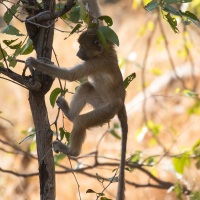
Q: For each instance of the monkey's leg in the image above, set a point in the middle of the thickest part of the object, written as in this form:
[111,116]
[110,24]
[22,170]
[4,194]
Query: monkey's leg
[85,94]
[96,117]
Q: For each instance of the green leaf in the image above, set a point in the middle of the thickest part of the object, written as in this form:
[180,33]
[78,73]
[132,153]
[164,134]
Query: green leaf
[193,18]
[12,61]
[177,1]
[195,195]
[170,9]
[189,93]
[172,22]
[107,19]
[114,179]
[75,28]
[102,39]
[105,198]
[59,157]
[194,109]
[135,158]
[59,6]
[9,42]
[196,145]
[63,134]
[109,34]
[154,128]
[83,13]
[4,54]
[90,191]
[116,125]
[189,15]
[27,48]
[74,14]
[1,65]
[181,162]
[129,79]
[101,180]
[53,96]
[9,13]
[114,133]
[151,5]
[11,30]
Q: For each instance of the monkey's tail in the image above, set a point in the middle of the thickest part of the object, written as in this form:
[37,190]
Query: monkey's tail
[124,125]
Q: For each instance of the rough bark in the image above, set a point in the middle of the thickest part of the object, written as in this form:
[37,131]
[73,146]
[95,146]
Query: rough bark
[44,135]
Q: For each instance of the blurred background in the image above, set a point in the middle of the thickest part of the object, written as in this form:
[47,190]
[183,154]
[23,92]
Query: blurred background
[162,104]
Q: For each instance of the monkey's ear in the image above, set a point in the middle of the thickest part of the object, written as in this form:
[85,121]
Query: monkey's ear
[99,46]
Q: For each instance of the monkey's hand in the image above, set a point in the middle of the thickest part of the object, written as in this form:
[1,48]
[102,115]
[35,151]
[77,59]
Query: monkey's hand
[58,146]
[30,62]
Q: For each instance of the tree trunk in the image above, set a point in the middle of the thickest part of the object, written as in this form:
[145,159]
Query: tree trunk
[43,48]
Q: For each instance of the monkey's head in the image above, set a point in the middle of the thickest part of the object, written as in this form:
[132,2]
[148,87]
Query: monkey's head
[90,46]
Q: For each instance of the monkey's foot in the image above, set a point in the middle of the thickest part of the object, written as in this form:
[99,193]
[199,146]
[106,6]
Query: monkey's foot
[58,146]
[61,103]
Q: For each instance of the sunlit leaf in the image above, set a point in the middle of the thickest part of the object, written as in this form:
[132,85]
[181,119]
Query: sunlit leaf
[180,163]
[2,55]
[194,109]
[12,61]
[11,30]
[10,13]
[27,48]
[189,93]
[156,71]
[135,158]
[107,19]
[59,157]
[154,128]
[53,96]
[172,22]
[10,42]
[129,79]
[193,18]
[1,65]
[109,34]
[151,5]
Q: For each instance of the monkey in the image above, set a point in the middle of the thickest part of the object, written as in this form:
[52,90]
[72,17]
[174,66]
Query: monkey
[104,90]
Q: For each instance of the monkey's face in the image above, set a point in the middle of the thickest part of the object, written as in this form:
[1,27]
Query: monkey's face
[90,47]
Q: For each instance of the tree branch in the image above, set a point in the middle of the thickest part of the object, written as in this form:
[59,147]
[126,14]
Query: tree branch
[25,81]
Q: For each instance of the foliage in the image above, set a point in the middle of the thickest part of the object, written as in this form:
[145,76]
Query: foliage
[80,19]
[170,12]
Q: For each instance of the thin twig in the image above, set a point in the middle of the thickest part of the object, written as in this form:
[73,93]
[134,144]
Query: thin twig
[75,178]
[169,53]
[7,119]
[13,82]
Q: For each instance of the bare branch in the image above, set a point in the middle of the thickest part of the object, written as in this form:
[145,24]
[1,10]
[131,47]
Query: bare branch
[24,81]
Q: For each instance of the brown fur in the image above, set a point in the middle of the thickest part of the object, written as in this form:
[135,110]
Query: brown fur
[104,90]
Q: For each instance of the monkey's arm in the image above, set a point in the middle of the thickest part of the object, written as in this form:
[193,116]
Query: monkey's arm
[75,73]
